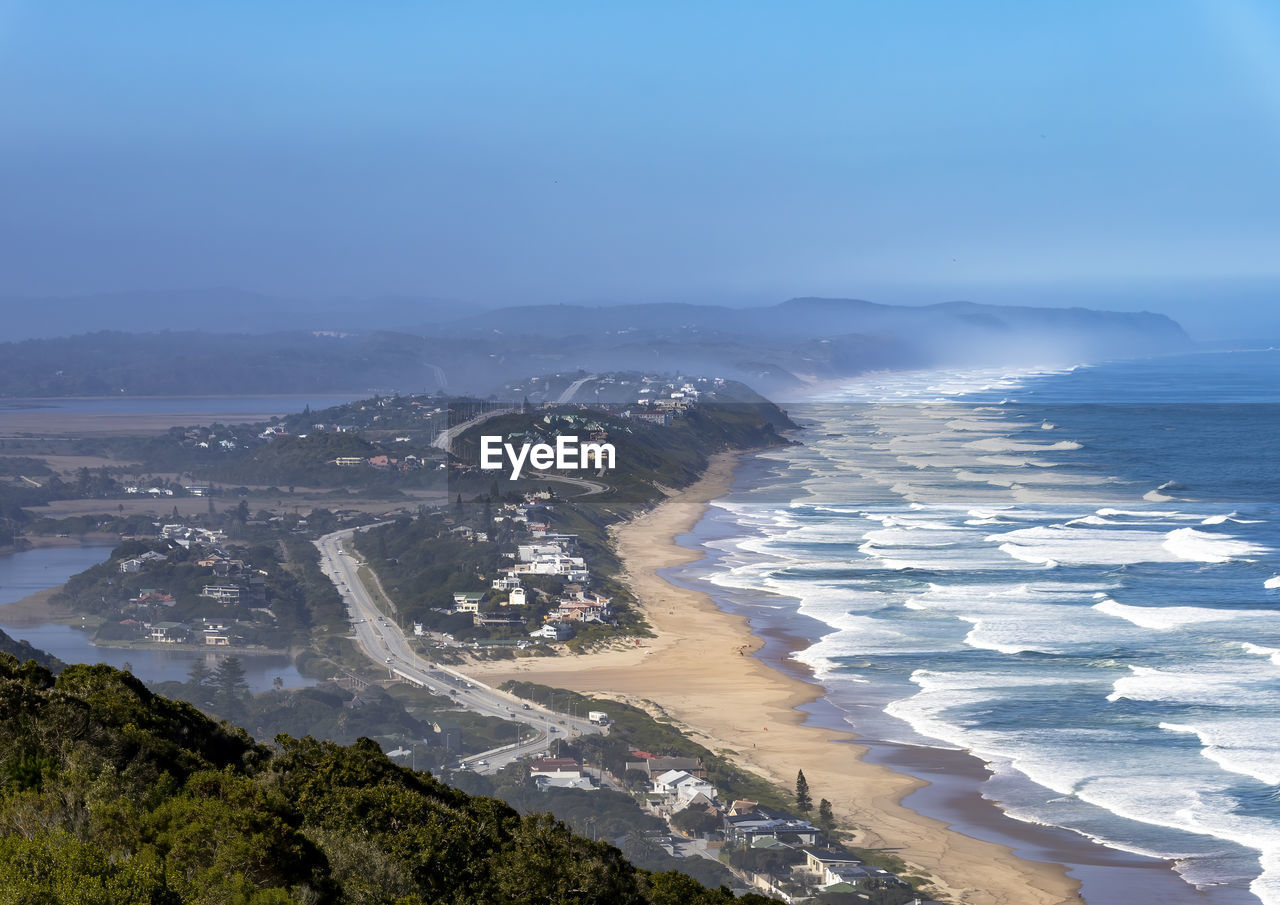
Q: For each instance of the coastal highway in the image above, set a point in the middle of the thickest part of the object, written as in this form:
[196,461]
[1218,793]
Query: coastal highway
[384,643]
[572,389]
[592,487]
[444,440]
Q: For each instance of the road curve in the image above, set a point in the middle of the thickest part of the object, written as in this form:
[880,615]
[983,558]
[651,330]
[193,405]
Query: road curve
[444,440]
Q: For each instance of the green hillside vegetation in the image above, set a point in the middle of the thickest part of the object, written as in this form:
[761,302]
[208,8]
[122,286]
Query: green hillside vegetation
[111,795]
[24,651]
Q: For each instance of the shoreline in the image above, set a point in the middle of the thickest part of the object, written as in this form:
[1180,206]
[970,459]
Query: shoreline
[702,670]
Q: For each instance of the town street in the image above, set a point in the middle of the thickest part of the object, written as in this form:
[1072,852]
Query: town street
[384,643]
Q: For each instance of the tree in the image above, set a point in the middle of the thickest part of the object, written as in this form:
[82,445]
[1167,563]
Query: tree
[696,821]
[826,819]
[198,681]
[804,801]
[231,689]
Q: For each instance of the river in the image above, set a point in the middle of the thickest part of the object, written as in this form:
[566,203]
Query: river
[45,567]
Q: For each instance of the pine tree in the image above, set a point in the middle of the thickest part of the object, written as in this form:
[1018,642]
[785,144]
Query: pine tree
[826,819]
[199,684]
[231,689]
[804,802]
[198,676]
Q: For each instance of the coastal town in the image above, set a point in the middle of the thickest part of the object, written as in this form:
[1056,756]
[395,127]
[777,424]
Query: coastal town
[477,578]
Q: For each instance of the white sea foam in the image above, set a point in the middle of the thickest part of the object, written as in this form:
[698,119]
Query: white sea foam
[1008,444]
[1080,545]
[1273,653]
[1199,546]
[1272,583]
[1213,684]
[1168,618]
[1244,746]
[1145,514]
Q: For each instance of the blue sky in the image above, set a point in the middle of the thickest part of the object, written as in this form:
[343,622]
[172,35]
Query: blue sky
[1042,153]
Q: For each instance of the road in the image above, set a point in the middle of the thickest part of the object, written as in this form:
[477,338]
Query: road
[384,643]
[592,487]
[568,394]
[444,440]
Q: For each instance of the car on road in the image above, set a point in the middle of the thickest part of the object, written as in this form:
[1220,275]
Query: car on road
[388,659]
[482,763]
[525,707]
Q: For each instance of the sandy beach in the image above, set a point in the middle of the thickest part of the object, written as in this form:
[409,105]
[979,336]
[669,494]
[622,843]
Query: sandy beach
[700,671]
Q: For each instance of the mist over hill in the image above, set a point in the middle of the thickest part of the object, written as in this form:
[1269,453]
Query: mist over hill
[238,343]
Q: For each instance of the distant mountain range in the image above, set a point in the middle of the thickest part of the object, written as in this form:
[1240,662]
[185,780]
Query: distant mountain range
[230,342]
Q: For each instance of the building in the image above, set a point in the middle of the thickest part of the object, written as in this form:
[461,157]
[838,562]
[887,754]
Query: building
[683,786]
[168,632]
[139,562]
[656,766]
[223,593]
[555,766]
[517,597]
[742,830]
[553,631]
[582,783]
[467,601]
[818,860]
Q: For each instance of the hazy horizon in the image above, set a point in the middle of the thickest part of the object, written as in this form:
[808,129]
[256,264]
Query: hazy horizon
[1116,158]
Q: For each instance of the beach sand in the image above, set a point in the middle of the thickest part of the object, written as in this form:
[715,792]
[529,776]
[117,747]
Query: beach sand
[700,672]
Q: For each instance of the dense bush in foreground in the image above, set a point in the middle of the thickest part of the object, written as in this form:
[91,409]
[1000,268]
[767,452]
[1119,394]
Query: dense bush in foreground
[111,795]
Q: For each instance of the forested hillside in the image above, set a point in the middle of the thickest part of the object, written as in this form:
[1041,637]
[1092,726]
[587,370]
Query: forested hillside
[111,795]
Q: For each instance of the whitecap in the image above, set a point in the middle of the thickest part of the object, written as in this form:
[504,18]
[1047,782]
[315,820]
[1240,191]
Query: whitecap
[1168,618]
[1199,546]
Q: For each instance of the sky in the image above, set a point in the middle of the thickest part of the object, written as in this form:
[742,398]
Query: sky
[1116,154]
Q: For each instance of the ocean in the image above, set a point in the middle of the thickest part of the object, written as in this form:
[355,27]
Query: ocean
[1073,574]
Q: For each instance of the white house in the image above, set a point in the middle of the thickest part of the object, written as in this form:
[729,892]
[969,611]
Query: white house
[517,597]
[467,602]
[553,631]
[684,786]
